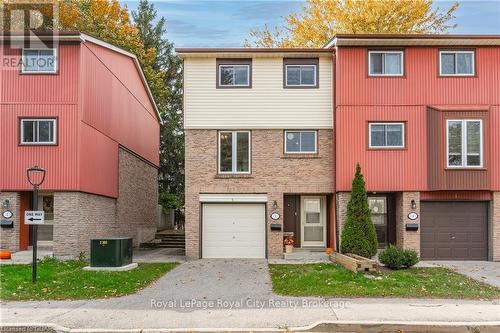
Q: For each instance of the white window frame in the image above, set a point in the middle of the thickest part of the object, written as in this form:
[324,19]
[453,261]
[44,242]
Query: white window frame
[300,75]
[302,152]
[234,85]
[234,149]
[37,120]
[25,71]
[464,144]
[386,52]
[456,64]
[386,123]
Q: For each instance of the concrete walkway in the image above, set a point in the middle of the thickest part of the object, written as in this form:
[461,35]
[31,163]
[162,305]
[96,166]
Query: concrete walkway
[483,271]
[236,294]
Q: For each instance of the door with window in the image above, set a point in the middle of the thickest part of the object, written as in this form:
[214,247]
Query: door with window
[313,221]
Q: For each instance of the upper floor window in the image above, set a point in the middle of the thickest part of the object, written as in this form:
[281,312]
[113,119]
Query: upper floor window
[464,143]
[39,61]
[385,63]
[456,63]
[300,142]
[300,73]
[386,135]
[234,152]
[38,131]
[234,73]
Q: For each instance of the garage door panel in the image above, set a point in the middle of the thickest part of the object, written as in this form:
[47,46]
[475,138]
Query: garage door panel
[233,231]
[454,230]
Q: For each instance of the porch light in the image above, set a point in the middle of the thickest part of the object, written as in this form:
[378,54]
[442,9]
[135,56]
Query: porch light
[413,204]
[275,204]
[36,176]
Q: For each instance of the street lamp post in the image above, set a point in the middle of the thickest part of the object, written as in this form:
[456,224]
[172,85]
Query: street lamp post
[36,176]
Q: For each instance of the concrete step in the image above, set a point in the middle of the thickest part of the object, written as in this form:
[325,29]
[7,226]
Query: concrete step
[162,245]
[306,255]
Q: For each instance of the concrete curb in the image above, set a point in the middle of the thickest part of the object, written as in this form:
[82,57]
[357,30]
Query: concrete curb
[322,326]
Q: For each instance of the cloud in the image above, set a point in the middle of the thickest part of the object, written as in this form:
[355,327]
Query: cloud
[266,10]
[188,29]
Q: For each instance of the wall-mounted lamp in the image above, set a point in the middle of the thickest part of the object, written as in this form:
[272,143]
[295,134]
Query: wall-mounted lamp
[6,203]
[413,204]
[275,204]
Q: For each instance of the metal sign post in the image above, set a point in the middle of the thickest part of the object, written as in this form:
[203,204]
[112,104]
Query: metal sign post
[35,217]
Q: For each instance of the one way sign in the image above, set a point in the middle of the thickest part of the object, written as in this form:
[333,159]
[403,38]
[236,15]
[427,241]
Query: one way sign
[34,217]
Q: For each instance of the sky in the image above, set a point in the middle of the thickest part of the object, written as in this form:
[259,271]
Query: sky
[226,23]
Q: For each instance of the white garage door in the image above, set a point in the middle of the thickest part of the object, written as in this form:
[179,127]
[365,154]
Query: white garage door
[233,231]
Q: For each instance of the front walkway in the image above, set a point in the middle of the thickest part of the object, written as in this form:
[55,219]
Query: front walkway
[483,271]
[224,294]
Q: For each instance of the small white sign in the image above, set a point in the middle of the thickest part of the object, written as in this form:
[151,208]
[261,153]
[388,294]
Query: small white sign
[34,217]
[413,216]
[275,216]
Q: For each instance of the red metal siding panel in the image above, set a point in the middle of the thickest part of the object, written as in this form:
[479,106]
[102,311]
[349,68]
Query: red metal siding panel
[111,108]
[408,97]
[61,88]
[98,162]
[384,170]
[60,161]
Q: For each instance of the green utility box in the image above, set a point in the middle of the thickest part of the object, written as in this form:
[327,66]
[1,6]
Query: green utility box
[110,252]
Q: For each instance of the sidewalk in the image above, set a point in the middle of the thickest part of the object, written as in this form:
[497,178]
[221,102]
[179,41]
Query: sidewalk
[129,313]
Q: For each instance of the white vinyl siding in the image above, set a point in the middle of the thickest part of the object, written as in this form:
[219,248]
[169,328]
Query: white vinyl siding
[266,105]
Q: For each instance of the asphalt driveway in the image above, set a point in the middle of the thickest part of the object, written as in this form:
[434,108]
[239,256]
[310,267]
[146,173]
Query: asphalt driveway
[483,271]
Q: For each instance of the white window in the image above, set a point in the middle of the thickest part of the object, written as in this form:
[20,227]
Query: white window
[456,63]
[234,152]
[234,75]
[301,75]
[300,142]
[386,135]
[39,61]
[38,131]
[385,63]
[464,143]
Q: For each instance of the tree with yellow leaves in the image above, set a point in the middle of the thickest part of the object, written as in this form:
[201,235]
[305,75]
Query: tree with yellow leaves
[320,20]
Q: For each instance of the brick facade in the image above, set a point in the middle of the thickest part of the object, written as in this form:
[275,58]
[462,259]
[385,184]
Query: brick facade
[342,201]
[495,228]
[404,238]
[9,237]
[273,174]
[79,217]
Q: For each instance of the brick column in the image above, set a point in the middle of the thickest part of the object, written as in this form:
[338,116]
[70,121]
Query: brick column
[9,237]
[274,238]
[342,201]
[495,227]
[192,224]
[407,239]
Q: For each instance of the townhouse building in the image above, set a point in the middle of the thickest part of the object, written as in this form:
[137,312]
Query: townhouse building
[259,151]
[267,158]
[81,109]
[421,114]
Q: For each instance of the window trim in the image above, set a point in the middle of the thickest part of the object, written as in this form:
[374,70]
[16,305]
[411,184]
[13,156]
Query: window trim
[464,144]
[233,62]
[45,143]
[401,52]
[403,134]
[455,52]
[56,62]
[234,153]
[301,152]
[315,84]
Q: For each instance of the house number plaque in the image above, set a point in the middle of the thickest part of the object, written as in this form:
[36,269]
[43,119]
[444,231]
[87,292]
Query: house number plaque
[275,216]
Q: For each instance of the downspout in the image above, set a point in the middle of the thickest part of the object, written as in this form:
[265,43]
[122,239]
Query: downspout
[334,87]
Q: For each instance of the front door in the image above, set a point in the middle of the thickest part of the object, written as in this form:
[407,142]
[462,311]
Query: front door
[378,208]
[291,218]
[313,221]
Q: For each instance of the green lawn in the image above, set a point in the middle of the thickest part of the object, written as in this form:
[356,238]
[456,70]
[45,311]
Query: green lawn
[59,280]
[332,280]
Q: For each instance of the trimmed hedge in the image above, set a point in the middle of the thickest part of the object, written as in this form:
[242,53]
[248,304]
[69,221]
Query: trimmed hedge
[395,257]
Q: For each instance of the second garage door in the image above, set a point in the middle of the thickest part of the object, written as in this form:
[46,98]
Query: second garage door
[233,231]
[454,230]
